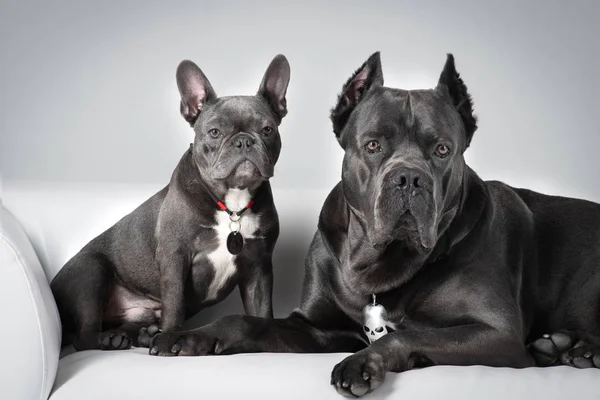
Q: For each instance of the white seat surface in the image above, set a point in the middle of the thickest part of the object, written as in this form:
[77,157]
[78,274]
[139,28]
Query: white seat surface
[133,374]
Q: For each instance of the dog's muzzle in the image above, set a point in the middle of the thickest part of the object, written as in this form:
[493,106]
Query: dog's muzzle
[241,150]
[405,209]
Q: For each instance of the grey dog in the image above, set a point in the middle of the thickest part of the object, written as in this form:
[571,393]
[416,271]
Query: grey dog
[213,227]
[468,271]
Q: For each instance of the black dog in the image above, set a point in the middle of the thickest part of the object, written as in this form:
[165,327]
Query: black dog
[212,228]
[464,271]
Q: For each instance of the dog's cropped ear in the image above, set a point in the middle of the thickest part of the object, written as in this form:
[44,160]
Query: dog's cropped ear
[195,90]
[368,75]
[451,83]
[273,87]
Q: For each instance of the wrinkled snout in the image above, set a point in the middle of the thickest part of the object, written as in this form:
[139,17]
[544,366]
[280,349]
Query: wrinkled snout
[404,207]
[244,160]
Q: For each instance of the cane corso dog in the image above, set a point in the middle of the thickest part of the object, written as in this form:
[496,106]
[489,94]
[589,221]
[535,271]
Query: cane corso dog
[213,227]
[415,250]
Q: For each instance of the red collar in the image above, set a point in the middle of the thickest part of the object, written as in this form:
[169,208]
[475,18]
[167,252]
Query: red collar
[223,207]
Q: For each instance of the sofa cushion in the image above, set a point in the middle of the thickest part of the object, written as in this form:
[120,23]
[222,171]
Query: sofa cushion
[30,335]
[134,374]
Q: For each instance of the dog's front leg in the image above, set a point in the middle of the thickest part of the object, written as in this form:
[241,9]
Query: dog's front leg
[174,268]
[235,334]
[256,289]
[474,344]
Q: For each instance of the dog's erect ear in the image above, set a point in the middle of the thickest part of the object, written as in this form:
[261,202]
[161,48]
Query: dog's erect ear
[275,83]
[451,82]
[368,75]
[195,90]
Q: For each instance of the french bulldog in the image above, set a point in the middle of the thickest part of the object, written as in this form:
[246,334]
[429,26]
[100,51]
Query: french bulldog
[212,228]
[417,261]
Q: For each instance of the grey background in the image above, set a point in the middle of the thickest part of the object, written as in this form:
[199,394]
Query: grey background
[88,94]
[87,90]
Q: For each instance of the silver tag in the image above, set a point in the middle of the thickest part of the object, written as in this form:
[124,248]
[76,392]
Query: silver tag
[374,321]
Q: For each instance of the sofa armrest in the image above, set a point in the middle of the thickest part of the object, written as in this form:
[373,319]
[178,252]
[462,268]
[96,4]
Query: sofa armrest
[30,334]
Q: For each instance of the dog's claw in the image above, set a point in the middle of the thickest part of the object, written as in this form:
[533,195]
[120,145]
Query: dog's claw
[154,351]
[218,348]
[176,348]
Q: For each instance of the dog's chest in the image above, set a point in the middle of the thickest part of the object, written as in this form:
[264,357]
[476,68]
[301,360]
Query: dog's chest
[222,261]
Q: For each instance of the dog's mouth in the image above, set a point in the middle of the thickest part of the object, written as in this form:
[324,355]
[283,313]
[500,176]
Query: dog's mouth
[411,220]
[422,233]
[407,229]
[243,174]
[244,167]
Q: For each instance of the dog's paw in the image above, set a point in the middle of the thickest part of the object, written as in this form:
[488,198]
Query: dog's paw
[358,374]
[114,340]
[170,344]
[147,334]
[582,356]
[548,349]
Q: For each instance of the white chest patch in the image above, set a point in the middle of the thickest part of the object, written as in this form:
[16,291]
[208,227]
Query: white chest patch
[222,260]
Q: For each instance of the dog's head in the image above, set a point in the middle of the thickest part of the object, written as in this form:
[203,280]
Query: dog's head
[237,139]
[403,164]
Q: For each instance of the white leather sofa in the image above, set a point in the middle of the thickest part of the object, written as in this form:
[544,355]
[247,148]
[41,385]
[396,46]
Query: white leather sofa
[44,224]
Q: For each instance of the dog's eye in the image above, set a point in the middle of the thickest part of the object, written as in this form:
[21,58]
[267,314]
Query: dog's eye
[366,328]
[379,329]
[267,131]
[442,151]
[214,133]
[373,146]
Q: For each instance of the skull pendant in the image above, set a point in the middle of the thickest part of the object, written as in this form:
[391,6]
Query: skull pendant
[374,321]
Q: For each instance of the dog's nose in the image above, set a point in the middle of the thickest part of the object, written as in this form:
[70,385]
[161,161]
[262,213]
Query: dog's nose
[243,142]
[410,179]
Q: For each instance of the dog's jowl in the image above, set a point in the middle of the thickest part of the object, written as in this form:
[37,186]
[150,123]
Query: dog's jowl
[212,228]
[456,270]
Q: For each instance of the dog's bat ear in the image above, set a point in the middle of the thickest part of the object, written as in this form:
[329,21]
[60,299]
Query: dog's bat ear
[273,87]
[195,90]
[452,84]
[368,75]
